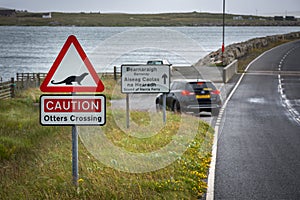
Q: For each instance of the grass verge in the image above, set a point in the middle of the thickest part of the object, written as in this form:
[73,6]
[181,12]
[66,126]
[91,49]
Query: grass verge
[254,53]
[35,161]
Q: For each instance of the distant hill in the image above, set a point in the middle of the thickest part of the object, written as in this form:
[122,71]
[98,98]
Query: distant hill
[123,19]
[6,12]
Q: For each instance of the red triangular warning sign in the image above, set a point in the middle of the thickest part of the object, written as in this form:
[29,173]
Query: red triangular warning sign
[72,71]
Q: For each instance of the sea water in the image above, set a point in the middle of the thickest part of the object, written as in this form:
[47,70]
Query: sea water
[34,49]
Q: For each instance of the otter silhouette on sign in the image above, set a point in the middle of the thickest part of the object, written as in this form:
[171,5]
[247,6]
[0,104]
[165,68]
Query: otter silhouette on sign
[69,80]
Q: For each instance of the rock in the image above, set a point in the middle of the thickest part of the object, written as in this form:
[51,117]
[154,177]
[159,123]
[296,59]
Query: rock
[238,50]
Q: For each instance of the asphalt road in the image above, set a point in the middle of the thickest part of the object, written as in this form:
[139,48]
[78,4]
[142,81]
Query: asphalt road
[258,155]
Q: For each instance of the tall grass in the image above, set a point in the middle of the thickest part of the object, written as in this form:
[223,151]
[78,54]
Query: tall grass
[36,161]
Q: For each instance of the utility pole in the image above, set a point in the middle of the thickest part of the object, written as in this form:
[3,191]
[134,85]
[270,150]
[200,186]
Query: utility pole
[223,42]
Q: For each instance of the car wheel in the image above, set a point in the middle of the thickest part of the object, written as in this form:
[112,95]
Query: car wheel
[215,111]
[158,107]
[176,107]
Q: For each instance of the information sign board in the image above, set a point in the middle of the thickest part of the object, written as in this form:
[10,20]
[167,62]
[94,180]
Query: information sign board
[68,110]
[145,78]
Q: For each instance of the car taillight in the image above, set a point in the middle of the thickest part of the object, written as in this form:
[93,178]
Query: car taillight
[186,93]
[215,92]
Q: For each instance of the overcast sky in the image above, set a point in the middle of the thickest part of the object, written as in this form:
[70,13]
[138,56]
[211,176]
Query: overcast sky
[260,7]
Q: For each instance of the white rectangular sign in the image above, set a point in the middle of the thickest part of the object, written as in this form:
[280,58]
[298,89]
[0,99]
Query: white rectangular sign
[145,78]
[68,110]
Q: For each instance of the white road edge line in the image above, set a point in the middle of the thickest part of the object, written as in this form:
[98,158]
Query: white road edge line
[212,169]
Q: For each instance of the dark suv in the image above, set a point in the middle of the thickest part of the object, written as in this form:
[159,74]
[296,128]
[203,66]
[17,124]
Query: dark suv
[192,95]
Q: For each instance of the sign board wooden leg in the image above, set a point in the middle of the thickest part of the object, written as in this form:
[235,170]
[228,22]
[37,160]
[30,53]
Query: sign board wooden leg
[164,108]
[127,111]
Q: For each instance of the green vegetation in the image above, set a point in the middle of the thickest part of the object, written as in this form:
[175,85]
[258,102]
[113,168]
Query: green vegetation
[121,19]
[254,53]
[35,161]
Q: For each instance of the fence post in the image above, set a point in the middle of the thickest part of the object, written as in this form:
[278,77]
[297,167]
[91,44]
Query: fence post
[27,81]
[38,75]
[12,88]
[115,73]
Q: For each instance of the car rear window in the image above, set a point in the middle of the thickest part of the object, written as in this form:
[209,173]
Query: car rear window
[196,86]
[154,63]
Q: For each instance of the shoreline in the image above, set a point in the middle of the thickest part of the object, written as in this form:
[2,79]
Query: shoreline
[144,20]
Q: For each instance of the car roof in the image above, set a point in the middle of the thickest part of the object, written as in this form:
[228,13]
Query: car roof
[158,59]
[191,80]
[165,61]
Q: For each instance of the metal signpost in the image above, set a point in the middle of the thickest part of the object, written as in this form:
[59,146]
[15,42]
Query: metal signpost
[143,79]
[72,72]
[223,33]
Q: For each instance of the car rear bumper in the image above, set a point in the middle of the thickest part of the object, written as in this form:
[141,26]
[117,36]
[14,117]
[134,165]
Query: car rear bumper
[202,107]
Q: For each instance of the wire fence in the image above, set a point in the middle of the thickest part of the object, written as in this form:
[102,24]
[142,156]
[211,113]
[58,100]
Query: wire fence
[24,81]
